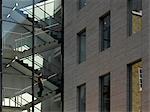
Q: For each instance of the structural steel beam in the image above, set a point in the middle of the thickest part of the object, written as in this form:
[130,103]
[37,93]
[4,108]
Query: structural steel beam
[1,75]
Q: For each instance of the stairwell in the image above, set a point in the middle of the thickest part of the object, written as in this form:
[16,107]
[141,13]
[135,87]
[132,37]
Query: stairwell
[48,36]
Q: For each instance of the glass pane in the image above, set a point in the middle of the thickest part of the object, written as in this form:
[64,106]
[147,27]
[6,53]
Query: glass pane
[17,36]
[106,34]
[135,16]
[82,98]
[50,8]
[82,46]
[137,5]
[105,28]
[105,93]
[136,23]
[136,93]
[82,3]
[57,5]
[82,49]
[106,22]
[106,44]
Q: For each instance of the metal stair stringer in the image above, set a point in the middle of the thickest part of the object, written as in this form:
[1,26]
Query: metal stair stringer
[39,30]
[49,24]
[38,100]
[11,109]
[28,72]
[10,53]
[39,49]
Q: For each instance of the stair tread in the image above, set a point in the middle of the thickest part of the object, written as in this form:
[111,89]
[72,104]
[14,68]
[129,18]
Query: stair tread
[26,65]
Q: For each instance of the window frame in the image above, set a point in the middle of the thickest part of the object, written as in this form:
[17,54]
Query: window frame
[81,4]
[101,88]
[102,30]
[78,97]
[129,84]
[79,37]
[130,7]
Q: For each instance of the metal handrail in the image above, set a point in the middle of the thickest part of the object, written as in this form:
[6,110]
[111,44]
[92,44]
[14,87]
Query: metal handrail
[38,18]
[39,63]
[39,5]
[20,104]
[29,12]
[43,10]
[40,8]
[29,102]
[48,14]
[29,31]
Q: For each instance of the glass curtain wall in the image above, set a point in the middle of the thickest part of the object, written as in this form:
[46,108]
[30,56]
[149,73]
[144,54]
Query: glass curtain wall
[31,46]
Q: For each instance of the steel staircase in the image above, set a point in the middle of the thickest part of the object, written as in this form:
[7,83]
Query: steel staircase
[48,33]
[48,23]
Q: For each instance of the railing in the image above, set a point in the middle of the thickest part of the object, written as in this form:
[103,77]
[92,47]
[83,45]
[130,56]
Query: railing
[22,43]
[13,40]
[43,10]
[25,41]
[16,41]
[40,65]
[18,101]
[9,43]
[37,64]
[57,5]
[44,15]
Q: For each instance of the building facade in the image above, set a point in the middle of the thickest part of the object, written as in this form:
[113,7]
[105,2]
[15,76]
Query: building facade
[106,56]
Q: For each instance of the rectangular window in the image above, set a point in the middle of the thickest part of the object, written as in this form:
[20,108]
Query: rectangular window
[135,86]
[82,3]
[134,16]
[82,98]
[82,46]
[105,93]
[105,31]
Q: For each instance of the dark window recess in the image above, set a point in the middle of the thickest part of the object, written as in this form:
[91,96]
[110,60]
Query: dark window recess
[82,46]
[105,93]
[82,98]
[82,3]
[105,31]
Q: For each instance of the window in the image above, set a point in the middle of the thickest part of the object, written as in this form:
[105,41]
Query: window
[135,86]
[105,93]
[82,98]
[82,46]
[82,3]
[134,16]
[105,31]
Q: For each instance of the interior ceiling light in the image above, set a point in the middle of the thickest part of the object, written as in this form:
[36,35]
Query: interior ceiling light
[13,60]
[14,8]
[16,57]
[8,15]
[7,65]
[16,4]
